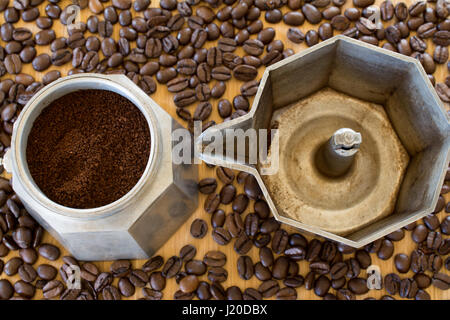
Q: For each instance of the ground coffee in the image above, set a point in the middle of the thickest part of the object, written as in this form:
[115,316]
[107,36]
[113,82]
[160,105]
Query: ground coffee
[88,148]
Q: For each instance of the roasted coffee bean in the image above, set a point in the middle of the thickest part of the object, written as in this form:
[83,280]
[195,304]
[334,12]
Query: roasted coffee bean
[408,288]
[126,288]
[196,267]
[187,252]
[218,218]
[417,44]
[280,268]
[269,288]
[172,267]
[440,54]
[252,294]
[212,202]
[120,268]
[12,266]
[49,251]
[221,73]
[434,240]
[311,13]
[402,262]
[207,185]
[203,291]
[214,259]
[353,268]
[426,30]
[111,293]
[321,286]
[431,222]
[189,284]
[419,233]
[150,294]
[217,291]
[338,270]
[217,274]
[52,289]
[203,93]
[13,64]
[6,289]
[199,228]
[419,262]
[244,72]
[243,244]
[319,267]
[225,108]
[221,235]
[157,281]
[27,273]
[103,280]
[23,289]
[245,267]
[441,281]
[325,31]
[138,278]
[423,281]
[28,255]
[280,241]
[252,189]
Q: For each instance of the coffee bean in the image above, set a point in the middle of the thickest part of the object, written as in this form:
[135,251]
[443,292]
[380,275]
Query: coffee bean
[280,241]
[221,235]
[203,291]
[419,233]
[217,291]
[207,185]
[220,73]
[217,274]
[157,281]
[199,228]
[23,289]
[280,268]
[353,268]
[13,64]
[52,289]
[408,288]
[269,288]
[245,267]
[426,30]
[189,283]
[138,278]
[243,244]
[110,293]
[434,240]
[196,267]
[402,262]
[419,261]
[27,273]
[150,294]
[120,268]
[440,54]
[252,294]
[215,259]
[312,14]
[172,267]
[6,289]
[321,286]
[441,281]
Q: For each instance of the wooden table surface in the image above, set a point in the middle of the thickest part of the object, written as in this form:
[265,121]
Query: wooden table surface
[182,236]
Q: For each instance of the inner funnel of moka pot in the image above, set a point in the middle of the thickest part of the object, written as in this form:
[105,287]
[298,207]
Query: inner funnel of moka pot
[341,162]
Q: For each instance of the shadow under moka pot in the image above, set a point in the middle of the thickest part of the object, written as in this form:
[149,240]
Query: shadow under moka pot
[138,223]
[362,141]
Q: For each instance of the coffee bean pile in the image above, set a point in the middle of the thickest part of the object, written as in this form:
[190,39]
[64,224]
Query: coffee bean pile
[193,48]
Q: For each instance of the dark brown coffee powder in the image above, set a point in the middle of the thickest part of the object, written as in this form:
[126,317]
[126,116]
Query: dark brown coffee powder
[88,148]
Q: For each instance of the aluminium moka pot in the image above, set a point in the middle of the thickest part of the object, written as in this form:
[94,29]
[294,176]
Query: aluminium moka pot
[363,141]
[132,227]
